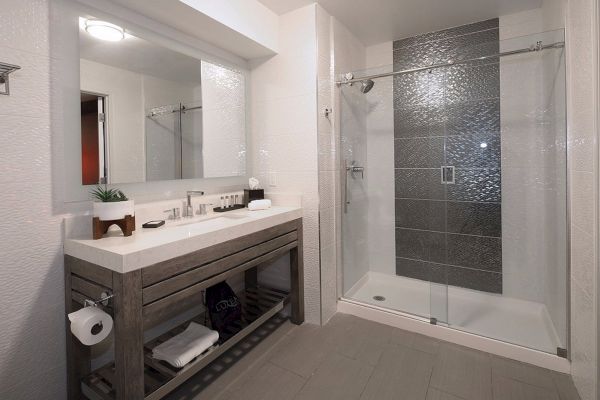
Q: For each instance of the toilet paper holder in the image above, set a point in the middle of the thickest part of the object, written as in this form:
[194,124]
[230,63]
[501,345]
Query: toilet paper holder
[104,297]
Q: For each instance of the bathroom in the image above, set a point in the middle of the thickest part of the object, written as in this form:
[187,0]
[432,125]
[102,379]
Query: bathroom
[398,198]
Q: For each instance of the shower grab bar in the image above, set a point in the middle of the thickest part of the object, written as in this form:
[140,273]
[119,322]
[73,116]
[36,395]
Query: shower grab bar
[539,46]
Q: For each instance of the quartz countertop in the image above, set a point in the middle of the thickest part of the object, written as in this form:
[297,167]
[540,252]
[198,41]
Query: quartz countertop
[176,238]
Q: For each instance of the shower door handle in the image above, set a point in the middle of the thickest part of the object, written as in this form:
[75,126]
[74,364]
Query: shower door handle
[353,170]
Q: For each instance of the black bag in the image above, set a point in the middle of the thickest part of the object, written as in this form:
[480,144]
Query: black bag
[223,306]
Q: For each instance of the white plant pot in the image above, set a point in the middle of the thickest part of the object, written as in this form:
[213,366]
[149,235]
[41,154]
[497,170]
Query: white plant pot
[113,210]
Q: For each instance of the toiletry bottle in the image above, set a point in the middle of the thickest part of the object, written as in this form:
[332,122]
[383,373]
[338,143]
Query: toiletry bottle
[222,202]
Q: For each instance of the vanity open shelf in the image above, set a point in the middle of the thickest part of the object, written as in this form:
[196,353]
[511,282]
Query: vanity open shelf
[258,305]
[154,294]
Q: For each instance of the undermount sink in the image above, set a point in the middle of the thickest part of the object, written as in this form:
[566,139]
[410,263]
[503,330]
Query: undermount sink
[216,218]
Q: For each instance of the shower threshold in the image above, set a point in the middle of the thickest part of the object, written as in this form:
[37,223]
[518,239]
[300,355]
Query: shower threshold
[492,317]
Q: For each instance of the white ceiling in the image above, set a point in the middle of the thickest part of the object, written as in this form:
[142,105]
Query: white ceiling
[377,21]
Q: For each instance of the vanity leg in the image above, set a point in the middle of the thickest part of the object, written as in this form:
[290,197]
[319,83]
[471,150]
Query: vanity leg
[78,355]
[129,336]
[297,280]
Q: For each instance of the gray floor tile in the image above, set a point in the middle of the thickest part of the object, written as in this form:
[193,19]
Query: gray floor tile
[522,372]
[269,382]
[338,377]
[402,373]
[426,344]
[510,389]
[565,387]
[435,394]
[402,337]
[463,372]
[302,351]
[358,339]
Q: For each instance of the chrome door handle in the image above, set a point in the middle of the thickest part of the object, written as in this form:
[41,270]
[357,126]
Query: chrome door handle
[355,169]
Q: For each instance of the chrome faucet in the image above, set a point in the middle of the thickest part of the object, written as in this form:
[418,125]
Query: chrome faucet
[189,210]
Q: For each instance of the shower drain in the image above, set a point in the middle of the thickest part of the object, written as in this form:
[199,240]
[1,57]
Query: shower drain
[379,298]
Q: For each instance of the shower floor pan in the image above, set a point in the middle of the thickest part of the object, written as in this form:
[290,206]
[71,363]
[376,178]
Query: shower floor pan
[515,321]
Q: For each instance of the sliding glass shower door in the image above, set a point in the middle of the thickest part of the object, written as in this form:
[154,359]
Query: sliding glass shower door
[454,181]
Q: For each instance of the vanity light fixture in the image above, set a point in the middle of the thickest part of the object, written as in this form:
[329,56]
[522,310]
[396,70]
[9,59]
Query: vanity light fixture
[104,30]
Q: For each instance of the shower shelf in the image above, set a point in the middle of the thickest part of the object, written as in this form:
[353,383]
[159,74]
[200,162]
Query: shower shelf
[5,70]
[258,305]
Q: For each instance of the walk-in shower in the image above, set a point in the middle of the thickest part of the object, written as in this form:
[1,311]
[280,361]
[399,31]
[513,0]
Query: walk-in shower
[459,214]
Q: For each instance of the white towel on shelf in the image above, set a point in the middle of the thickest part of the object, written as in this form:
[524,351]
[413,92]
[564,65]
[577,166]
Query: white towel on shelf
[259,205]
[189,344]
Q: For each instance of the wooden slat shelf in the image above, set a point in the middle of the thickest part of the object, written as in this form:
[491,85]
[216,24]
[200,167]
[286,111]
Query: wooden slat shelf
[258,305]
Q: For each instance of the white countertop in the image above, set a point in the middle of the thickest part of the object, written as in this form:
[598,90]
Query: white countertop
[176,238]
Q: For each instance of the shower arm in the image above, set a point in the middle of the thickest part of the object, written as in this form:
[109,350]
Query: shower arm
[539,46]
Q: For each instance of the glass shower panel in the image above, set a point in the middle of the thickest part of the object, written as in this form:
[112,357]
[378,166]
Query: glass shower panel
[373,251]
[506,245]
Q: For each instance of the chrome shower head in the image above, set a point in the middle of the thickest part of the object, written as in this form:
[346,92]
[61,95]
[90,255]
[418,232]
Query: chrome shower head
[366,85]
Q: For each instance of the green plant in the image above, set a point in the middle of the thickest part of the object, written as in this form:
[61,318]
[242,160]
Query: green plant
[107,195]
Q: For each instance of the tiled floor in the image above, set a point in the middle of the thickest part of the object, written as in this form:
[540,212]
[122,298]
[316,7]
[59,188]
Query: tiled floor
[351,358]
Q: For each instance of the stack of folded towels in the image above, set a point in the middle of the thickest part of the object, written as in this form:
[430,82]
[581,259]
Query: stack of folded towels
[256,205]
[189,344]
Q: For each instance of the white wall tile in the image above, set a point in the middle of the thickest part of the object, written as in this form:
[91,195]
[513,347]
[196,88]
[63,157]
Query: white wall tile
[284,132]
[582,29]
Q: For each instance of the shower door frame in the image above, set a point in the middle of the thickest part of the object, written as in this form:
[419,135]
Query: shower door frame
[413,322]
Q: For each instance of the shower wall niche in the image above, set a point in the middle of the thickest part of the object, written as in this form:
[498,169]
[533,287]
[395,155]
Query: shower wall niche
[448,226]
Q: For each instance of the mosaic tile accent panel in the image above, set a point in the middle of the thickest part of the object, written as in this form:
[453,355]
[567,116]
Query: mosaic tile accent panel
[421,214]
[413,183]
[447,33]
[421,245]
[419,152]
[471,218]
[449,233]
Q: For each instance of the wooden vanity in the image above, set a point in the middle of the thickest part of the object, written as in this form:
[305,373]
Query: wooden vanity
[146,296]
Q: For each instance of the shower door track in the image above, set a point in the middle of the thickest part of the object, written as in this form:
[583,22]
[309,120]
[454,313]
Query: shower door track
[539,46]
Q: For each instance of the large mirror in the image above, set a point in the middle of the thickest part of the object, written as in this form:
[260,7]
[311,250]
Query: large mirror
[149,113]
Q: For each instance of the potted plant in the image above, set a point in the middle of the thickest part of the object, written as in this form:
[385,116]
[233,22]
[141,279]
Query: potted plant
[111,204]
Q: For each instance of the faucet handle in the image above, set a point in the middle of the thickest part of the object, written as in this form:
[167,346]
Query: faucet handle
[202,210]
[174,212]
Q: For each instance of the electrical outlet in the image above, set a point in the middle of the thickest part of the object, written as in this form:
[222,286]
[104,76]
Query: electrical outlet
[272,179]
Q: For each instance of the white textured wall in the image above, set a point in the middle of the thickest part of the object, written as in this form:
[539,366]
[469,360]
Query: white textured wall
[284,132]
[125,111]
[32,338]
[582,74]
[223,121]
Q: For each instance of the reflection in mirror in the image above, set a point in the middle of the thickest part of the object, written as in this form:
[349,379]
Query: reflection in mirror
[149,113]
[93,138]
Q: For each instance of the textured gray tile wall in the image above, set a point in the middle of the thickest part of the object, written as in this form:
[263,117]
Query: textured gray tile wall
[449,233]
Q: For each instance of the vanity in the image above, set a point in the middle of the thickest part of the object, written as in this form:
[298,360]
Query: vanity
[157,274]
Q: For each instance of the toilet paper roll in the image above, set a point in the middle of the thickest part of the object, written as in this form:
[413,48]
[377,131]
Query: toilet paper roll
[90,325]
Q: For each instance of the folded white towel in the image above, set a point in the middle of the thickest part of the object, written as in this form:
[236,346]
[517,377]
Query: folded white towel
[183,348]
[259,204]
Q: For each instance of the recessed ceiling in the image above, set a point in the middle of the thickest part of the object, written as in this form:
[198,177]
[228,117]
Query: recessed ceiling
[378,21]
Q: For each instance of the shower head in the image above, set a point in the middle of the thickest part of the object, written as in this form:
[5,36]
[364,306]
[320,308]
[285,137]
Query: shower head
[366,85]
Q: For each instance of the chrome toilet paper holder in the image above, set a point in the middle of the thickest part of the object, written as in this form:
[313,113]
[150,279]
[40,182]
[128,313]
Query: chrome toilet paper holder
[104,297]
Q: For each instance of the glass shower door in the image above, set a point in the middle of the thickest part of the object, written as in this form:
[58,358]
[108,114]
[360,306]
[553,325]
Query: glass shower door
[505,272]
